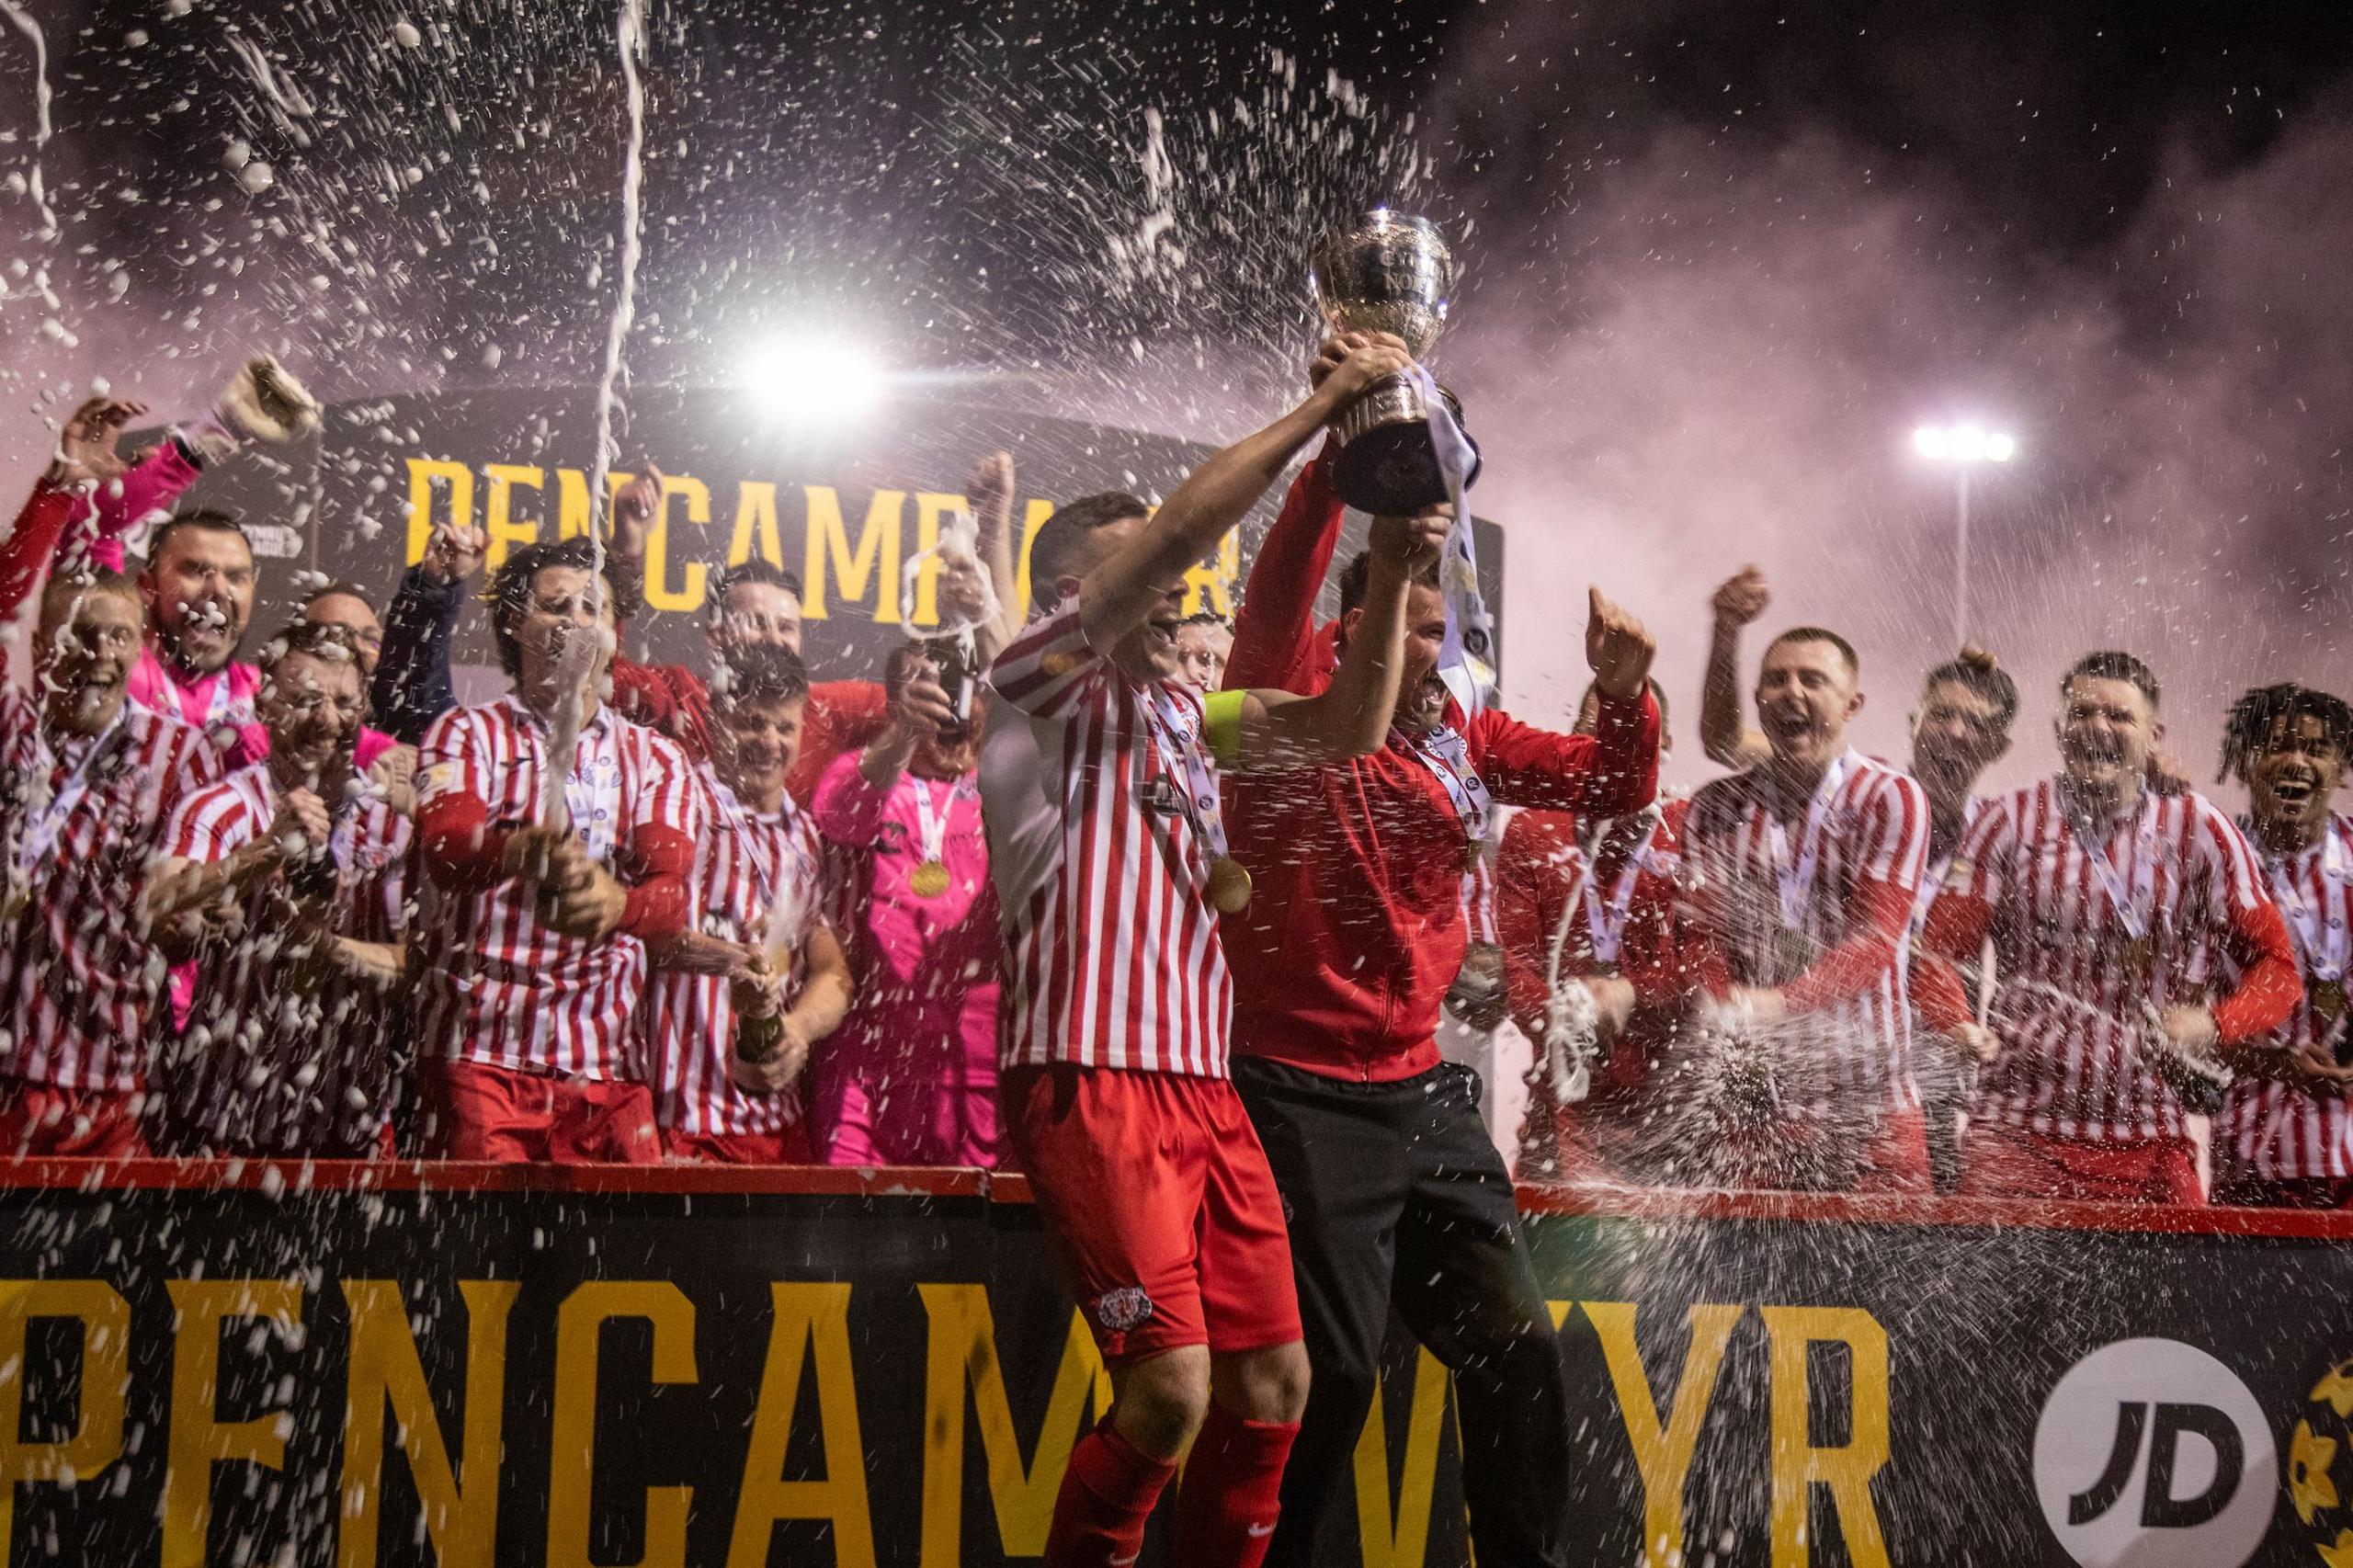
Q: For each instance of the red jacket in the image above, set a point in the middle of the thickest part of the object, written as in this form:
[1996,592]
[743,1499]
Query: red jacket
[1355,928]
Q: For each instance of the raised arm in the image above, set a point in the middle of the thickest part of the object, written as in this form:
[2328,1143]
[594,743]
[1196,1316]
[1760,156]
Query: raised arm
[990,492]
[412,686]
[1723,734]
[1119,594]
[1351,717]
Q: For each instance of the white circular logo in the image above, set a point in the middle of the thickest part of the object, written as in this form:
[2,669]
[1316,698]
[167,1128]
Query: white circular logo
[2152,1454]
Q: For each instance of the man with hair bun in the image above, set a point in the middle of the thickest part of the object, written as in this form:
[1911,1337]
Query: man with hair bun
[2287,1141]
[1961,728]
[2137,945]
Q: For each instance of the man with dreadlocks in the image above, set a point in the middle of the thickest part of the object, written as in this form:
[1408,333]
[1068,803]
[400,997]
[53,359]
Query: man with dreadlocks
[2287,1141]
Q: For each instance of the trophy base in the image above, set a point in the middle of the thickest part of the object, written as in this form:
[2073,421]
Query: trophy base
[1388,464]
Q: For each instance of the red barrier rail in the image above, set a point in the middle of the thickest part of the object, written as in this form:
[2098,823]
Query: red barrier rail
[823,1181]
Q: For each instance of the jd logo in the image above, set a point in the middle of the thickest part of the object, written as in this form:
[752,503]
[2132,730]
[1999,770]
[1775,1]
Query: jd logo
[2152,1454]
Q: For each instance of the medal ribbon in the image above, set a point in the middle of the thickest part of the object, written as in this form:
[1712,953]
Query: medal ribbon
[737,818]
[2133,905]
[45,824]
[1605,928]
[1447,757]
[931,821]
[2321,934]
[1796,882]
[1932,879]
[1188,766]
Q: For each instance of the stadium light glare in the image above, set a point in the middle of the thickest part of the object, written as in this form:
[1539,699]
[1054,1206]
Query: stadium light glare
[814,379]
[1963,446]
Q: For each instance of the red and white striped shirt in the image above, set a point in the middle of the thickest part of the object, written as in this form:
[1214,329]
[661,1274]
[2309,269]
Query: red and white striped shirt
[1815,900]
[500,988]
[1111,947]
[271,1064]
[2071,1007]
[78,981]
[2280,1131]
[745,862]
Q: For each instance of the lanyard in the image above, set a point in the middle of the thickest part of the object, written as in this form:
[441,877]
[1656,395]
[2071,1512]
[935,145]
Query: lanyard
[2133,905]
[1796,881]
[931,820]
[2321,934]
[737,819]
[1180,747]
[45,823]
[1932,879]
[1606,926]
[1447,757]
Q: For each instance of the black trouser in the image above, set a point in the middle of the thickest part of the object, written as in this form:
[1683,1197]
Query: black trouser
[1395,1196]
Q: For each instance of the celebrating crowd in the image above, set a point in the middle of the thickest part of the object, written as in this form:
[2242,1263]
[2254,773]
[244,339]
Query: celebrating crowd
[1164,912]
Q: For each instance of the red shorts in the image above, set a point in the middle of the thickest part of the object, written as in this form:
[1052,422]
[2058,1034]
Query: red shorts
[2011,1162]
[1170,1228]
[469,1111]
[788,1147]
[2237,1188]
[38,1118]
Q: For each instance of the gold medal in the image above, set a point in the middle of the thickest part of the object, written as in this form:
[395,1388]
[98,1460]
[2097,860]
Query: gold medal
[928,879]
[2327,1001]
[2137,954]
[18,897]
[1229,885]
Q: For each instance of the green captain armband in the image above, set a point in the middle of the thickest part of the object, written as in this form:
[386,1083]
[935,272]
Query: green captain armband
[1222,726]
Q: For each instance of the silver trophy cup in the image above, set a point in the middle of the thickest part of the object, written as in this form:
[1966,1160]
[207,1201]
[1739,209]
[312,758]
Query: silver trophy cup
[1388,272]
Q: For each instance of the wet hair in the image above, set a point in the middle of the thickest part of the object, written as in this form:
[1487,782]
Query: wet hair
[1208,618]
[756,570]
[1357,575]
[1059,535]
[1975,670]
[205,518]
[65,587]
[319,639]
[766,672]
[2255,717]
[509,594]
[2111,664]
[1822,634]
[337,588]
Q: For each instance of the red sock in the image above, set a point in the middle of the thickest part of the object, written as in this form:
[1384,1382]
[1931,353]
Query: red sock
[1225,1515]
[1106,1496]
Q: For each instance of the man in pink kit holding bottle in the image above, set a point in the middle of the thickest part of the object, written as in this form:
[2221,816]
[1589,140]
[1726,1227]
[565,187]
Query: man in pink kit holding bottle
[910,1079]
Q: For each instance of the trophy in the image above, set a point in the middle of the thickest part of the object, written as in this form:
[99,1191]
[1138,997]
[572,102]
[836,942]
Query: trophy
[1388,272]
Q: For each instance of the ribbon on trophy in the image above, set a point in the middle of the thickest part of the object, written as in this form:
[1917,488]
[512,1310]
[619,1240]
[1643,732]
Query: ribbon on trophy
[1466,660]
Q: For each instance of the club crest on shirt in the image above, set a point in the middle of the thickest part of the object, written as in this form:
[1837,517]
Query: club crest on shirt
[1122,1309]
[1060,663]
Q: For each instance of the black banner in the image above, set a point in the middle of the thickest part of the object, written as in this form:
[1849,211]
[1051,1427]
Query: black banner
[622,1368]
[845,505]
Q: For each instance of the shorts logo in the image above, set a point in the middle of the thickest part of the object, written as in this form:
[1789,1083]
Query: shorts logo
[1122,1309]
